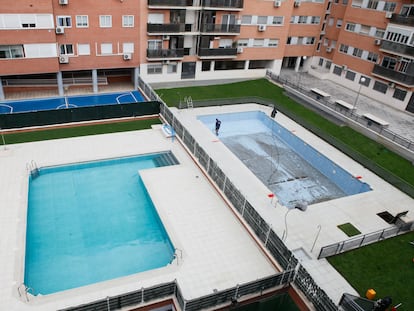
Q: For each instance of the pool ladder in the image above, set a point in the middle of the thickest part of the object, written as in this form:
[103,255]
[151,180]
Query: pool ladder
[33,169]
[175,255]
[26,291]
[189,102]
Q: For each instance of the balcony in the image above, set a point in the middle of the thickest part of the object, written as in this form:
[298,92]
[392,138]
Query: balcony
[394,76]
[396,48]
[220,52]
[225,4]
[165,28]
[220,29]
[402,20]
[165,54]
[170,3]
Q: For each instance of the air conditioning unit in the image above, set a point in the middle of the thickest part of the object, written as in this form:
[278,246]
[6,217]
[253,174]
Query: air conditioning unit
[60,30]
[64,59]
[127,56]
[277,3]
[296,4]
[63,2]
[165,37]
[388,14]
[165,62]
[240,50]
[328,49]
[261,27]
[344,67]
[391,85]
[377,42]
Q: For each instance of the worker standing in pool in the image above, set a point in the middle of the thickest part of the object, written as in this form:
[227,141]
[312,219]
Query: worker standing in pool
[218,124]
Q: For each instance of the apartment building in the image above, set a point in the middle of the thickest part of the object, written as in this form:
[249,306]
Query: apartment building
[365,45]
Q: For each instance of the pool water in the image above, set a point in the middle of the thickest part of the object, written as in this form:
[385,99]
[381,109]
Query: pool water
[70,102]
[294,171]
[91,222]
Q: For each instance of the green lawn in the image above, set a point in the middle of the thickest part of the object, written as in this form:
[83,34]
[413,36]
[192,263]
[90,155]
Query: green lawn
[65,132]
[349,229]
[377,153]
[387,267]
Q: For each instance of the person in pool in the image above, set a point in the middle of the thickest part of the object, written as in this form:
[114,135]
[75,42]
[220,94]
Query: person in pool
[218,124]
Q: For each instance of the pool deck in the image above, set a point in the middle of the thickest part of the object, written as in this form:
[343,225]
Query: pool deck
[218,253]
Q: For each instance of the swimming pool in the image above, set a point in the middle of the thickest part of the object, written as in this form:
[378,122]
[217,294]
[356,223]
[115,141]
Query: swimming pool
[70,102]
[93,221]
[289,167]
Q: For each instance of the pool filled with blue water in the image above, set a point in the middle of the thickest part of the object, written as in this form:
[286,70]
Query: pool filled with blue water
[93,221]
[293,170]
[70,102]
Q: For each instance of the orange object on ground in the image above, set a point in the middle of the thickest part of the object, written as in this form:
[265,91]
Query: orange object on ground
[370,294]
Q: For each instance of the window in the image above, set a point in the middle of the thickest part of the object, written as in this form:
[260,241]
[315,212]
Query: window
[84,49]
[309,40]
[82,21]
[328,64]
[372,4]
[372,57]
[106,48]
[320,63]
[154,69]
[128,47]
[154,44]
[350,26]
[262,20]
[350,75]
[345,2]
[28,25]
[364,29]
[337,70]
[246,19]
[331,21]
[105,21]
[315,20]
[389,6]
[128,21]
[277,20]
[258,42]
[11,51]
[66,49]
[289,40]
[379,33]
[302,19]
[399,94]
[339,23]
[243,42]
[389,62]
[357,52]
[64,21]
[380,87]
[343,48]
[206,66]
[273,42]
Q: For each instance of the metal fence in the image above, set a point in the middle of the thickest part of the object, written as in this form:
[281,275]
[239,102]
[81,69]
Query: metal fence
[350,302]
[396,138]
[365,239]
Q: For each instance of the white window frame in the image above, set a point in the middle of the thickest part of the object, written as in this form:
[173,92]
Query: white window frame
[64,21]
[66,49]
[105,48]
[128,21]
[84,49]
[105,21]
[82,21]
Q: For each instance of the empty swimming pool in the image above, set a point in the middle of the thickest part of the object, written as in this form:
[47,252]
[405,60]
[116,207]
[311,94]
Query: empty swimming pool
[293,170]
[70,102]
[91,222]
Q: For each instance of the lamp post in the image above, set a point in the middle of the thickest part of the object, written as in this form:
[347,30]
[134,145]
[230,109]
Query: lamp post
[300,206]
[361,82]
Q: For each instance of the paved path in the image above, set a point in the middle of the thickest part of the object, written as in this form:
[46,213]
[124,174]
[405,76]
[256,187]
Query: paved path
[401,122]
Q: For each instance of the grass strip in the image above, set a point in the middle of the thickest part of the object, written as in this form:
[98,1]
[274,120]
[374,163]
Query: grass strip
[78,130]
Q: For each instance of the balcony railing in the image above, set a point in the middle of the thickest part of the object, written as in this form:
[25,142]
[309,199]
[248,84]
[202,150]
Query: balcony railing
[228,4]
[165,53]
[220,28]
[170,2]
[394,47]
[389,74]
[402,20]
[165,28]
[220,52]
